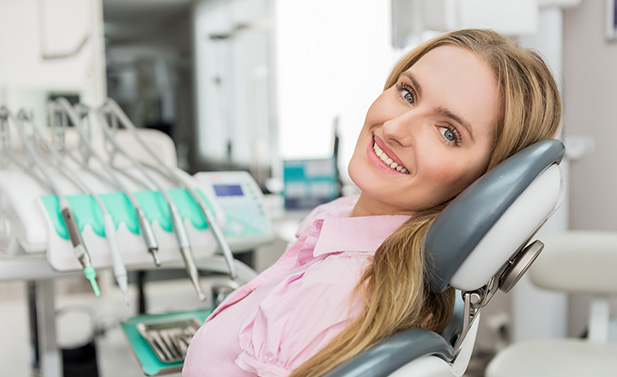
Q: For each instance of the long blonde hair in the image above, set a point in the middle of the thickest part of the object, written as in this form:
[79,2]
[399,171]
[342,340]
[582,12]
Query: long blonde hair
[394,287]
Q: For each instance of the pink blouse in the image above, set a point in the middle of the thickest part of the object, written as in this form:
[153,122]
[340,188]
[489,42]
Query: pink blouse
[284,316]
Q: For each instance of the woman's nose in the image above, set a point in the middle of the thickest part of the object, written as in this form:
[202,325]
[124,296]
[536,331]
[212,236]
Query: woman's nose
[399,128]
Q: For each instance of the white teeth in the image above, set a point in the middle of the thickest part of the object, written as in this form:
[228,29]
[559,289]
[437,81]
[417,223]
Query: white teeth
[387,160]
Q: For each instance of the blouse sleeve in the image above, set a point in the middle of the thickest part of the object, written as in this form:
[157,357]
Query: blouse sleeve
[300,316]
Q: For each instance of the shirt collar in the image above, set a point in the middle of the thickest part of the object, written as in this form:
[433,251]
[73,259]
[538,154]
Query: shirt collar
[359,234]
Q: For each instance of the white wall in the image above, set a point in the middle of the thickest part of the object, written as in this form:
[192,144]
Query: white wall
[590,98]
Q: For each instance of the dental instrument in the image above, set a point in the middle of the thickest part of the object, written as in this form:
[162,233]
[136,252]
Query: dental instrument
[169,339]
[178,224]
[118,267]
[79,248]
[115,112]
[65,109]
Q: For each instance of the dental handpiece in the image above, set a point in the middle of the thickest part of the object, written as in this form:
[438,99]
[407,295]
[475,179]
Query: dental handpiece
[146,228]
[79,248]
[148,234]
[118,266]
[187,253]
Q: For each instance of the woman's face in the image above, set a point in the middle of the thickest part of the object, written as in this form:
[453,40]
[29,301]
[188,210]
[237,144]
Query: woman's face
[429,136]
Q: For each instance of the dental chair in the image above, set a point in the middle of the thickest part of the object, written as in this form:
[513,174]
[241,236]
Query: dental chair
[480,243]
[578,262]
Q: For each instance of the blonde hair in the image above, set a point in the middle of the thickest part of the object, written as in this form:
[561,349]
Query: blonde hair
[394,287]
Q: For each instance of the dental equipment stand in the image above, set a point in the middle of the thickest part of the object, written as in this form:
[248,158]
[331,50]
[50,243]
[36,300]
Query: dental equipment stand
[36,269]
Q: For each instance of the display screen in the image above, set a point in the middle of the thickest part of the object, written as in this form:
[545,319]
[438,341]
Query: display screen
[228,190]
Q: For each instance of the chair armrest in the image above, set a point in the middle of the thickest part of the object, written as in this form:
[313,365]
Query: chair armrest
[389,355]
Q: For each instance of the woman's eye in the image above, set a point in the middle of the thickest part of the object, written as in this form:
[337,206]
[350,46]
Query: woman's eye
[450,134]
[407,93]
[408,97]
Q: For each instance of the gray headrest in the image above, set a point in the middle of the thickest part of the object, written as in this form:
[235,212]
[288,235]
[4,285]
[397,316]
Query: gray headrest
[467,219]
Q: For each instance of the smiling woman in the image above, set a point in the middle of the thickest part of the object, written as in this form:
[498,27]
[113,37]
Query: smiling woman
[437,123]
[451,110]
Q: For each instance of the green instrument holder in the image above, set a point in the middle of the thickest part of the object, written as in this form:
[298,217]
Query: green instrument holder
[87,210]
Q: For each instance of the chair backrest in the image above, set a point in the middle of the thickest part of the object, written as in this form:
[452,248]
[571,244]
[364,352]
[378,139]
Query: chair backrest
[479,238]
[494,217]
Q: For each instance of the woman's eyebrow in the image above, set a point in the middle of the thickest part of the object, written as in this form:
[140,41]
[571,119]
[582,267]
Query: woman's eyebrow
[413,80]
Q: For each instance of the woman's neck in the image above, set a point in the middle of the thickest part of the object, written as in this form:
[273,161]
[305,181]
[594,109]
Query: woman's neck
[367,206]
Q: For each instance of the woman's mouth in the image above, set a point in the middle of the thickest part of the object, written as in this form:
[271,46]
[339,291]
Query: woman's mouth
[388,160]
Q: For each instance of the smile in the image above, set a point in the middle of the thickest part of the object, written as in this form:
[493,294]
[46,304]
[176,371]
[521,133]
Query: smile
[387,160]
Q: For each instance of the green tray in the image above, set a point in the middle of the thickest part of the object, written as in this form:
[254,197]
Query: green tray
[150,363]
